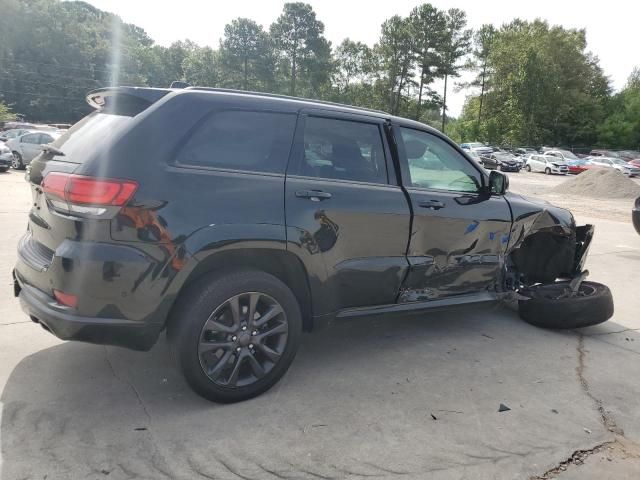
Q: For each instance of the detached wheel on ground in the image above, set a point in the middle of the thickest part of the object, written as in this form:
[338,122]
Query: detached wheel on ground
[235,334]
[554,305]
[16,163]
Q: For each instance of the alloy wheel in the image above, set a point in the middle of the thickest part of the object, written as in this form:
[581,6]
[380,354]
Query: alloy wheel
[243,339]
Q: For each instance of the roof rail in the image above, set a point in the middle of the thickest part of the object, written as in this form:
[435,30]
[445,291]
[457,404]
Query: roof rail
[286,97]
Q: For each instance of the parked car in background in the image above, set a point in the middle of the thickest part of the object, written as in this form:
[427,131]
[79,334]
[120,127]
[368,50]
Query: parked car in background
[506,162]
[547,164]
[5,157]
[478,147]
[603,153]
[617,163]
[630,156]
[13,133]
[562,154]
[27,146]
[488,162]
[60,126]
[579,165]
[635,215]
[524,151]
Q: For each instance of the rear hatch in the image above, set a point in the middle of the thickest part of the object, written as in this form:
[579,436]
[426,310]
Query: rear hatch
[66,204]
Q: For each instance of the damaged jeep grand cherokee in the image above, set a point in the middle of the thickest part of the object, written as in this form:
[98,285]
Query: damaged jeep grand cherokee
[236,220]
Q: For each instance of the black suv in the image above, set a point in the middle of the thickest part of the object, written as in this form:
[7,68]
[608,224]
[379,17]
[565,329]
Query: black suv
[237,220]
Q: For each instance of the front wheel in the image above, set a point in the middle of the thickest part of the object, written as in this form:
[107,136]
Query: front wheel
[527,168]
[547,171]
[16,163]
[554,305]
[236,334]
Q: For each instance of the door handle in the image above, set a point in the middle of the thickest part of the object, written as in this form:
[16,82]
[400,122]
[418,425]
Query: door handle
[313,195]
[432,204]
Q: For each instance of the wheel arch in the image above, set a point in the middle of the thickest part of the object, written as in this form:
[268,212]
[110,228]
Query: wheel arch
[284,265]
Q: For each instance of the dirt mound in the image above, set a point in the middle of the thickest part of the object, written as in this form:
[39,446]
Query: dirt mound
[600,183]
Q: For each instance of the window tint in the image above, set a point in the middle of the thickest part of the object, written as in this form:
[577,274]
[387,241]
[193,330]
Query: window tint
[31,138]
[44,138]
[241,140]
[344,150]
[433,163]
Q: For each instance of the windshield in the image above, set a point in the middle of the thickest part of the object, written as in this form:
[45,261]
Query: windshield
[618,161]
[84,135]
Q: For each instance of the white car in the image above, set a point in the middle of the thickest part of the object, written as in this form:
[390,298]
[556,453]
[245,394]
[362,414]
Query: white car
[26,147]
[546,163]
[565,155]
[617,163]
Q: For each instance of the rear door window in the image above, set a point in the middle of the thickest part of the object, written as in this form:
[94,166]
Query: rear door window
[344,150]
[241,140]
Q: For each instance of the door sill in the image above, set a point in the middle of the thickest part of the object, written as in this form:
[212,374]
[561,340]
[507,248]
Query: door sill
[444,303]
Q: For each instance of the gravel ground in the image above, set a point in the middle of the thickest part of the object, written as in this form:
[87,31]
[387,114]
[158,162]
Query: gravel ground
[540,185]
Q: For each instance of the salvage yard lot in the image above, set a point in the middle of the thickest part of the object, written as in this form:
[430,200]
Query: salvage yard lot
[382,397]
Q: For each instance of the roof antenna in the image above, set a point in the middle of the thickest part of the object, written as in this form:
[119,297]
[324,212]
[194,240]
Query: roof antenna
[179,84]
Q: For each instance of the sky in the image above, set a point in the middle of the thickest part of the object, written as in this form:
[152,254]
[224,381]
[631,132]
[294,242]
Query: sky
[612,27]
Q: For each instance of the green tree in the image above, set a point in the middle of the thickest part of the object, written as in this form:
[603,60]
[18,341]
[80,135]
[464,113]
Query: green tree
[455,46]
[244,53]
[395,51]
[6,115]
[199,67]
[428,27]
[621,128]
[297,35]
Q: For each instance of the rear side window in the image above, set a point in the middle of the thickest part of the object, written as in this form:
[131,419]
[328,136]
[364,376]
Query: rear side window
[241,140]
[343,149]
[88,135]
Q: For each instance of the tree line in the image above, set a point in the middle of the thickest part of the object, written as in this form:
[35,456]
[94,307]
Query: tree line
[534,83]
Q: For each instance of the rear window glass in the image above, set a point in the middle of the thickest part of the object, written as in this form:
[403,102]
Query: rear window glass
[241,140]
[83,137]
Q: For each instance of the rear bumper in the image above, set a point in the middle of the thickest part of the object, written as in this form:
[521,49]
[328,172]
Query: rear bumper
[64,324]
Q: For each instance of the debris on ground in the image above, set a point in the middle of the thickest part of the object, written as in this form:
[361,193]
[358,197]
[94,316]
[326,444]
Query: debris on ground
[600,183]
[433,416]
[503,408]
[587,430]
[554,410]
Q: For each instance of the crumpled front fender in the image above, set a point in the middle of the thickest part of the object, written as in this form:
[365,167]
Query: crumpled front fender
[545,243]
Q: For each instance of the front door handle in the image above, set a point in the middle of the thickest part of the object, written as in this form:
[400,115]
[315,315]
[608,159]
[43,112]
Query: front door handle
[313,195]
[432,204]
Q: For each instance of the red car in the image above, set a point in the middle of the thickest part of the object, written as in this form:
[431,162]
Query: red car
[579,166]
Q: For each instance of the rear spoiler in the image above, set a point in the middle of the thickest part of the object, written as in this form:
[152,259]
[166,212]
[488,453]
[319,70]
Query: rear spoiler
[131,100]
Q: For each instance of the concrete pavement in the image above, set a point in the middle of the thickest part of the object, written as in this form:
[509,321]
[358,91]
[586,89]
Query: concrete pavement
[383,398]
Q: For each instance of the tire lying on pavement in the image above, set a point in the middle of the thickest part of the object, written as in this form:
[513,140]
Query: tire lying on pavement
[553,306]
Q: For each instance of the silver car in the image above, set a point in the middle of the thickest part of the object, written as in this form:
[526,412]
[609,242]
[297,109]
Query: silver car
[26,147]
[628,169]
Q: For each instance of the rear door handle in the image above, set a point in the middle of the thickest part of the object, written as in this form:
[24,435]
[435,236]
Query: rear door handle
[313,195]
[432,204]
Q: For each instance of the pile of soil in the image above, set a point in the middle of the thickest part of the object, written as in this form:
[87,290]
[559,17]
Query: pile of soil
[599,183]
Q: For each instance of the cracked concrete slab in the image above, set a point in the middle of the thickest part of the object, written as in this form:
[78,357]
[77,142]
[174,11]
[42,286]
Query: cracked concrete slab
[385,397]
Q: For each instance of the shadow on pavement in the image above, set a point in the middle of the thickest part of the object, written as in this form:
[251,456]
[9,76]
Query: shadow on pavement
[382,397]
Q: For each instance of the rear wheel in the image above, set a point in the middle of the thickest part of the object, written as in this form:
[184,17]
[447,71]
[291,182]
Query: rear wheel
[16,163]
[236,334]
[556,306]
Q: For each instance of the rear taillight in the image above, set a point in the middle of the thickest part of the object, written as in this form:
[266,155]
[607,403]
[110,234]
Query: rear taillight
[87,196]
[65,299]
